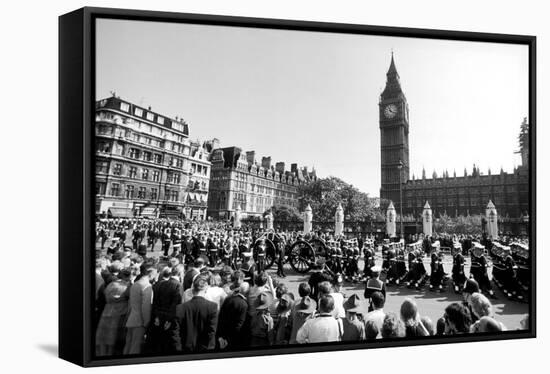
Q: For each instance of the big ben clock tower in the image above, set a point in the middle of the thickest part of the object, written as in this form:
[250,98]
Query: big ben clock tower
[394,137]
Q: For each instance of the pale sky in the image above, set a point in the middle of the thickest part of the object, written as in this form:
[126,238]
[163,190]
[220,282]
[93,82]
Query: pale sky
[312,98]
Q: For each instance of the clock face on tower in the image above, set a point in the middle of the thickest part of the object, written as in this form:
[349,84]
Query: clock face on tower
[390,111]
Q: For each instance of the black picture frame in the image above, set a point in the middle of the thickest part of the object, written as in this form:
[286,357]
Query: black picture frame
[76,199]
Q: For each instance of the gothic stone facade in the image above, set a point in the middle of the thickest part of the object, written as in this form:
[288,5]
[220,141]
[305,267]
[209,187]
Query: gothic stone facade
[238,180]
[454,195]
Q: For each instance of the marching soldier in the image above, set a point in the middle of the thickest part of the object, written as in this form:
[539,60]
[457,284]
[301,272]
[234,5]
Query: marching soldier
[280,245]
[478,269]
[458,275]
[228,251]
[212,250]
[510,280]
[437,272]
[374,284]
[260,255]
[417,271]
[166,236]
[248,267]
[368,254]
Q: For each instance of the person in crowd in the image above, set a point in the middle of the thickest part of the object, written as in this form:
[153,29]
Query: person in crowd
[440,327]
[371,330]
[198,319]
[226,275]
[377,315]
[325,288]
[428,324]
[264,284]
[411,319]
[481,307]
[374,284]
[457,319]
[488,324]
[302,310]
[282,319]
[232,320]
[261,322]
[214,292]
[318,275]
[323,328]
[524,323]
[111,330]
[470,287]
[163,333]
[248,268]
[140,304]
[198,265]
[352,328]
[392,327]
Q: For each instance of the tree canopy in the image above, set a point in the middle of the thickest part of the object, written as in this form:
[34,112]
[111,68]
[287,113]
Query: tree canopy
[324,195]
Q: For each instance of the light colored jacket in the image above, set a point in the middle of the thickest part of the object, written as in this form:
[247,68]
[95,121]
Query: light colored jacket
[324,328]
[141,299]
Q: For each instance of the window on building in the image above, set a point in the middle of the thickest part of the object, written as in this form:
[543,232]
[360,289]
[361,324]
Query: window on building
[156,176]
[129,192]
[157,158]
[150,116]
[142,192]
[147,156]
[101,167]
[179,163]
[138,112]
[103,147]
[124,107]
[134,153]
[132,172]
[160,120]
[205,170]
[115,189]
[100,188]
[154,193]
[117,169]
[145,174]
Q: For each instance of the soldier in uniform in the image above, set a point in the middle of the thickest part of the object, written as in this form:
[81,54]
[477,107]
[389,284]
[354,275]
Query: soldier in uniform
[368,253]
[228,251]
[176,241]
[458,275]
[103,235]
[437,273]
[417,272]
[280,245]
[390,263]
[260,255]
[509,276]
[166,237]
[478,270]
[374,284]
[248,267]
[212,250]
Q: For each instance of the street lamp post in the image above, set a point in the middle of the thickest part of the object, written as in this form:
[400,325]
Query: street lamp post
[399,167]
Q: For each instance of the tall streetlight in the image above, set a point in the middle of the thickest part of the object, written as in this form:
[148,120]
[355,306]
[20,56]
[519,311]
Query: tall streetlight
[399,167]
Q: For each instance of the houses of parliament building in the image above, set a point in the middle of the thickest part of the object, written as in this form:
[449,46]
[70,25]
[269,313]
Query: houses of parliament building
[454,195]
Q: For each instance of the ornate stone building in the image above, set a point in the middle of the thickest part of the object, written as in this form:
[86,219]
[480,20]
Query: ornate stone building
[146,165]
[450,194]
[238,180]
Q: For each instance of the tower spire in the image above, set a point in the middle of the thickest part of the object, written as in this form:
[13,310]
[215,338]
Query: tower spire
[392,71]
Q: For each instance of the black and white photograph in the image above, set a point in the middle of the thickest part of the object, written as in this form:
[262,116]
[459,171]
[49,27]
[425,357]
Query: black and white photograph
[265,188]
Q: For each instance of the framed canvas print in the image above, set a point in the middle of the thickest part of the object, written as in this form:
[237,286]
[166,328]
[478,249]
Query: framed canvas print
[232,187]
